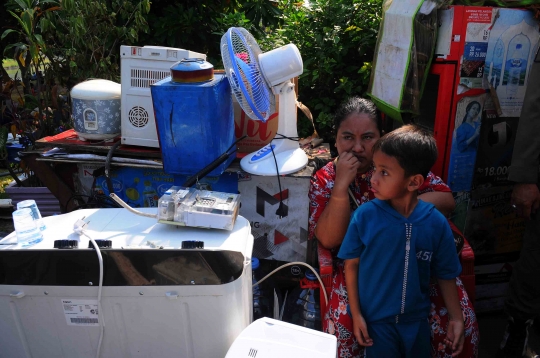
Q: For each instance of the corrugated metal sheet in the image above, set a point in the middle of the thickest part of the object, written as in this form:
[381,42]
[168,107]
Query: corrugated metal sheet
[46,202]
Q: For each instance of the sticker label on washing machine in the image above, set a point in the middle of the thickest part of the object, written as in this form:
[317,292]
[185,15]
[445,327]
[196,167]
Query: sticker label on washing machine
[80,312]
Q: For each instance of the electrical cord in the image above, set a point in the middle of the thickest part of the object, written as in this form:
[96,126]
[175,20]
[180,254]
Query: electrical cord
[78,228]
[281,211]
[129,208]
[296,263]
[281,136]
[108,166]
[207,169]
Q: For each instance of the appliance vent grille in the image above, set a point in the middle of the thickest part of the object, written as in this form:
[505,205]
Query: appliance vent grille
[138,116]
[145,78]
[252,352]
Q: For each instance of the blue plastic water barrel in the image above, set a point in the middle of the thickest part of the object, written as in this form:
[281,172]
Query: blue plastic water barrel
[195,124]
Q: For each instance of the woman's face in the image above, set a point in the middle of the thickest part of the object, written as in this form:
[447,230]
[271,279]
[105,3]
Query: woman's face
[473,111]
[357,134]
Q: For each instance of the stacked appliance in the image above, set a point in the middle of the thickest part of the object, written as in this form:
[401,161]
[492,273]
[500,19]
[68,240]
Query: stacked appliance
[162,294]
[140,68]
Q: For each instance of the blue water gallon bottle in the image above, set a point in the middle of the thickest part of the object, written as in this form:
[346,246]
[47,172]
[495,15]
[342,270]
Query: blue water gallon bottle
[304,304]
[261,301]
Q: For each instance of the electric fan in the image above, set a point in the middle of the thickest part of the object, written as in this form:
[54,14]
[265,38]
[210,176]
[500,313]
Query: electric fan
[255,78]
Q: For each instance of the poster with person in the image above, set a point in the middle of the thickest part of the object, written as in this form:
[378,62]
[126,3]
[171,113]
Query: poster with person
[465,141]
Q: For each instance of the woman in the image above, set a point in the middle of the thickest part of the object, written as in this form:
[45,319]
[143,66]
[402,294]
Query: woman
[468,132]
[358,126]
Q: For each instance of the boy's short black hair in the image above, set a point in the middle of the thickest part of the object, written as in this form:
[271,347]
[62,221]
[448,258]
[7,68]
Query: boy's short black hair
[414,148]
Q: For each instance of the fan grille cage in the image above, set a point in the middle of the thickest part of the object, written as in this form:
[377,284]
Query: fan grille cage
[240,52]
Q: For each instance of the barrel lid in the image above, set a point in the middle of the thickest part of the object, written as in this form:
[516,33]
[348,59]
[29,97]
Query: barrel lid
[96,89]
[192,70]
[310,275]
[254,263]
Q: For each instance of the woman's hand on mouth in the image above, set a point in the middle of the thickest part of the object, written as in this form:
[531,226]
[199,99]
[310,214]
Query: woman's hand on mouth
[346,168]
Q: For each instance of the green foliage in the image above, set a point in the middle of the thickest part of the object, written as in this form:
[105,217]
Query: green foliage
[26,44]
[81,39]
[28,47]
[87,34]
[198,25]
[336,39]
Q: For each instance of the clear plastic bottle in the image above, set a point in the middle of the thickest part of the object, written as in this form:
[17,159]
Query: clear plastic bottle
[261,301]
[35,211]
[26,227]
[150,195]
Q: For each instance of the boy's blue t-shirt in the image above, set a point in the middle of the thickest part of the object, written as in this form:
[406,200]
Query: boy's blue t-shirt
[393,284]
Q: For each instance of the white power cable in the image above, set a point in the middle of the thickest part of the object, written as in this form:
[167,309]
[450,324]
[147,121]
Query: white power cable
[79,229]
[129,208]
[297,263]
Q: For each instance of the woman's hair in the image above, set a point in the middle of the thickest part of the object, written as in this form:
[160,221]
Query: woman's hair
[469,106]
[357,105]
[414,148]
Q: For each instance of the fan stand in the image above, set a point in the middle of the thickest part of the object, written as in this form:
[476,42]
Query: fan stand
[289,156]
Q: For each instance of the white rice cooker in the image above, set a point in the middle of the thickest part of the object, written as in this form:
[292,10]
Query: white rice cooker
[96,109]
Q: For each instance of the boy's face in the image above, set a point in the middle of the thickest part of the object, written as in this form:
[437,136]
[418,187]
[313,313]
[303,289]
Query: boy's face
[388,180]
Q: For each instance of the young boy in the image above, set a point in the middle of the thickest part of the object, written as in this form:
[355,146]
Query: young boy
[393,246]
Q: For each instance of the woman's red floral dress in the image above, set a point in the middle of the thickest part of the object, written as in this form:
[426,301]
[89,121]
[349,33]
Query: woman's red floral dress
[336,320]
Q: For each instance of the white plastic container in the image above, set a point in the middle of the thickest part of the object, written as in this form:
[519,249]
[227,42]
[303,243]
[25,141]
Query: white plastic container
[140,68]
[267,337]
[198,208]
[96,109]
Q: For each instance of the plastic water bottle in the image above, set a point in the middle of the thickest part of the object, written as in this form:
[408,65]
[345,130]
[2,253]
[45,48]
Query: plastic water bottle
[303,306]
[517,63]
[26,227]
[31,204]
[261,302]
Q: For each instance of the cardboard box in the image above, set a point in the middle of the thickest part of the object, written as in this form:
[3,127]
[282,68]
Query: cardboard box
[277,238]
[492,226]
[495,148]
[459,215]
[258,133]
[478,21]
[492,274]
[492,279]
[489,304]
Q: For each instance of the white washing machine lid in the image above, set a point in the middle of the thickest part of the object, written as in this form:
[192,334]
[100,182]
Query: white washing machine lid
[267,337]
[127,230]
